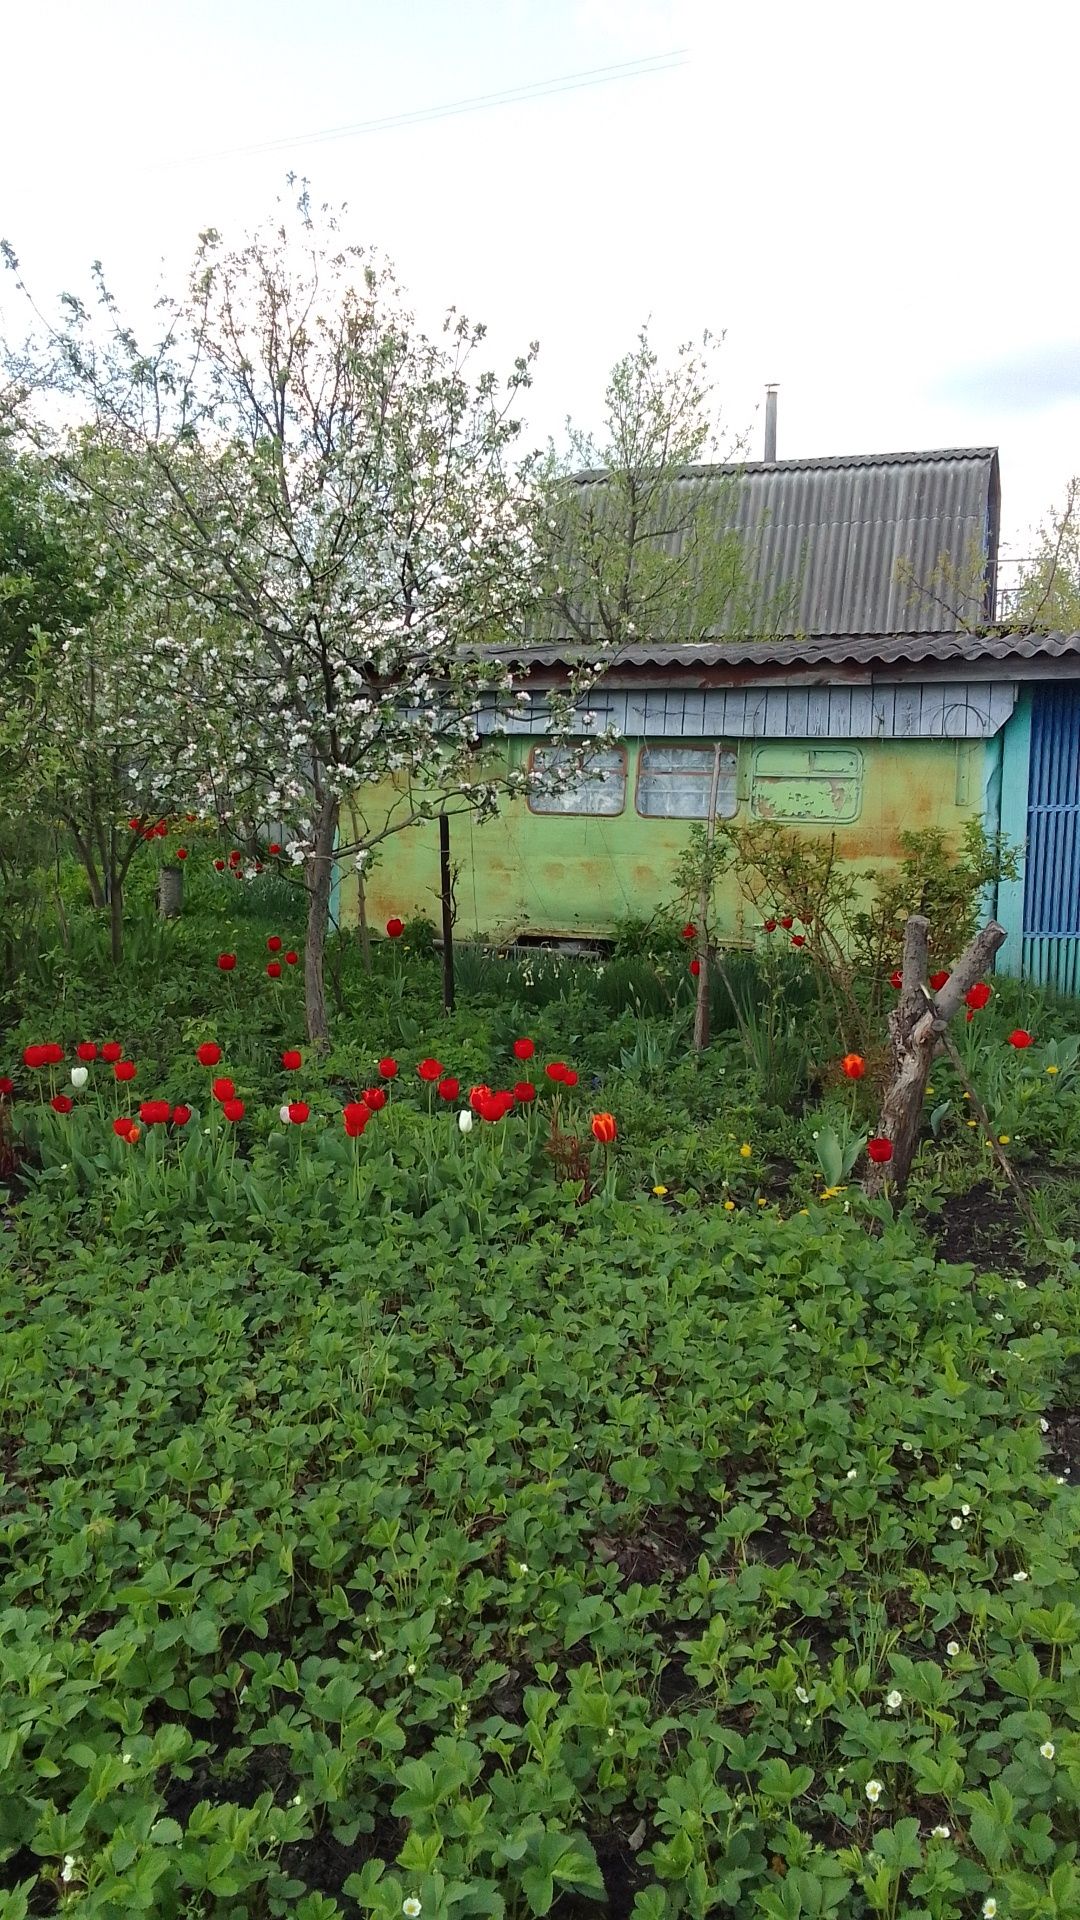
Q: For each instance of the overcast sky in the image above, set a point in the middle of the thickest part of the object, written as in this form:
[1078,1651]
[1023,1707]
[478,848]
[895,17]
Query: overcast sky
[878,204]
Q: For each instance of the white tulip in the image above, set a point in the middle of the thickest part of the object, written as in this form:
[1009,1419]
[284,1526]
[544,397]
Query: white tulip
[79,1077]
[465,1121]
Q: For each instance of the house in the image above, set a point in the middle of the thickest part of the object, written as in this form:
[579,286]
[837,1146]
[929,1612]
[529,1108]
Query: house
[891,702]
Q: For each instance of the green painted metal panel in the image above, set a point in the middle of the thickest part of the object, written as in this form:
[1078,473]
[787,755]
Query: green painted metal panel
[807,785]
[566,875]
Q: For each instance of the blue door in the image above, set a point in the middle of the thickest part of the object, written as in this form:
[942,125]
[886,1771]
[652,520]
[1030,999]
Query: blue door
[1052,884]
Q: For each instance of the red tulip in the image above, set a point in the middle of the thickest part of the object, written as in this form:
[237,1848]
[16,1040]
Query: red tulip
[853,1066]
[937,980]
[181,1116]
[61,1103]
[978,995]
[53,1053]
[491,1107]
[769,925]
[291,959]
[223,1089]
[274,847]
[896,979]
[570,1078]
[689,932]
[524,1049]
[181,853]
[298,1112]
[273,943]
[374,1098]
[1020,1038]
[291,1060]
[556,1071]
[135,825]
[524,1092]
[208,1054]
[155,1113]
[880,1151]
[430,1070]
[219,865]
[111,1051]
[126,1130]
[394,928]
[604,1128]
[355,1117]
[33,1056]
[787,922]
[273,969]
[695,968]
[233,1109]
[448,1089]
[388,1068]
[235,858]
[86,1050]
[478,1096]
[226,962]
[7,1087]
[798,939]
[124,1070]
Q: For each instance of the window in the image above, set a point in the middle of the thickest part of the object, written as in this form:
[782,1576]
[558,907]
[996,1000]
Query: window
[598,786]
[807,785]
[674,783]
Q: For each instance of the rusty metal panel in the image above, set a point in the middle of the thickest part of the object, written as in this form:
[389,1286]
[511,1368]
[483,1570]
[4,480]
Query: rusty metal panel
[808,785]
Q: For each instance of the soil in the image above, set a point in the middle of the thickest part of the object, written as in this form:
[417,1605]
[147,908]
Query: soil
[981,1228]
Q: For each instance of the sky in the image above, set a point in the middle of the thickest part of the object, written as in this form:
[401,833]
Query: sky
[876,205]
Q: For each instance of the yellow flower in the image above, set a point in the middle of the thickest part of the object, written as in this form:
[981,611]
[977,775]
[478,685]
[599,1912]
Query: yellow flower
[659,1192]
[1053,1069]
[762,1202]
[804,1210]
[973,1123]
[746,1150]
[729,1206]
[929,1089]
[967,1096]
[1003,1139]
[830,1193]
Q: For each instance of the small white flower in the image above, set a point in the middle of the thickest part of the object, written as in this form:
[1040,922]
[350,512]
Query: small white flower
[939,1833]
[1047,1749]
[67,1871]
[464,1121]
[999,1316]
[1017,1577]
[1020,1285]
[1044,1425]
[410,1907]
[127,1759]
[874,1791]
[852,1473]
[297,1800]
[802,1695]
[611,1733]
[411,1668]
[956,1523]
[989,1908]
[953,1649]
[965,1510]
[894,1701]
[522,1566]
[79,1077]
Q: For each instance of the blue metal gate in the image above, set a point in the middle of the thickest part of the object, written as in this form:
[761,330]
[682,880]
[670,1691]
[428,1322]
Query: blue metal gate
[1051,953]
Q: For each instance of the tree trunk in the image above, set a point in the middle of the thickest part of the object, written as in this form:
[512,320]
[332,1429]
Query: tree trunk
[446,899]
[116,918]
[320,873]
[915,1029]
[701,1004]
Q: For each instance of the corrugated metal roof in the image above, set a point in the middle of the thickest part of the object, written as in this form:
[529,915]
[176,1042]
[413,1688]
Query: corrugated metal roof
[840,531]
[837,650]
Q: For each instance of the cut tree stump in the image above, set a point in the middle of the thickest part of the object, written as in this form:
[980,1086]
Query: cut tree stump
[916,1026]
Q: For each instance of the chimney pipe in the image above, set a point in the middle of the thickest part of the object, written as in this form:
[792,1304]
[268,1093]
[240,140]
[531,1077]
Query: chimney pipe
[770,421]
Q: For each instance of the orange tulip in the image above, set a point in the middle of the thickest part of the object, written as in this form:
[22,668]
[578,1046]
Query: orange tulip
[853,1065]
[604,1128]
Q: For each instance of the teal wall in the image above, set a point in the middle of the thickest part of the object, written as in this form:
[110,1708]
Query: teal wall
[1015,763]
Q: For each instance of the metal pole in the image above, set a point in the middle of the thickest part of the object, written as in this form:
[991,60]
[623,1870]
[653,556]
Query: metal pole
[770,422]
[446,900]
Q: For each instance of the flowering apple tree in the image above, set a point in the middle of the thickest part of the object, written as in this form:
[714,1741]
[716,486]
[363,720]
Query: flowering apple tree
[328,504]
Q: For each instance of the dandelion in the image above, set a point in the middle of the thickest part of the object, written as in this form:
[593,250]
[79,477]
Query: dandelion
[660,1192]
[953,1649]
[746,1150]
[1003,1139]
[729,1206]
[1047,1749]
[410,1907]
[894,1701]
[874,1791]
[1053,1070]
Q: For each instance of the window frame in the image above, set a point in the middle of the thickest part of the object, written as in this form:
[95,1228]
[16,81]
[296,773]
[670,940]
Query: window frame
[693,746]
[576,813]
[809,748]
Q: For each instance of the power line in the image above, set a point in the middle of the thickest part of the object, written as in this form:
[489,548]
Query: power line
[481,102]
